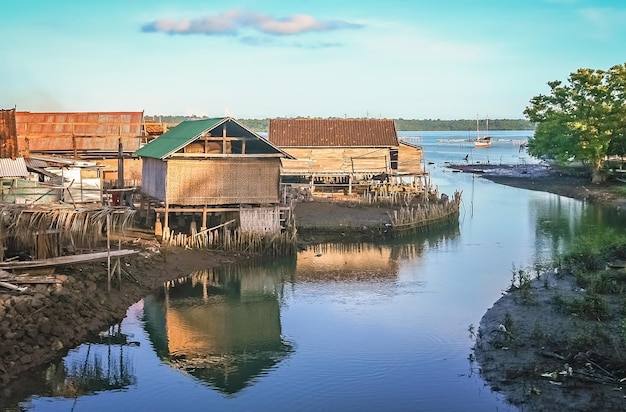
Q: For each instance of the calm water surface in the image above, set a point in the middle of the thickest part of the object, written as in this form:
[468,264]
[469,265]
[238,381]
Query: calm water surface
[357,327]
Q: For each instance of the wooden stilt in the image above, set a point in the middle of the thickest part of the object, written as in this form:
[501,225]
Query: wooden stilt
[109,252]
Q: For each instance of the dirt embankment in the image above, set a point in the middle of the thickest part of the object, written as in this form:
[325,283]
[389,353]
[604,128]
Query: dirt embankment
[42,323]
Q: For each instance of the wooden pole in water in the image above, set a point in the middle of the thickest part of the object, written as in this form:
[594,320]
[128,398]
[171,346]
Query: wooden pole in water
[109,252]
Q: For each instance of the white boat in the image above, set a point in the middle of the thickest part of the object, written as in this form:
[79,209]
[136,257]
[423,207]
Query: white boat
[482,141]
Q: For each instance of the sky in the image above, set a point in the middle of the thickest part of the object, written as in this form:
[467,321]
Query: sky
[411,59]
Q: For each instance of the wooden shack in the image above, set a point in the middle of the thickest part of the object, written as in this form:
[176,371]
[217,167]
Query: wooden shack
[212,166]
[343,150]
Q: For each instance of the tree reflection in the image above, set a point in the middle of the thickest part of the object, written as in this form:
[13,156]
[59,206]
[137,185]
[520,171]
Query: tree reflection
[101,368]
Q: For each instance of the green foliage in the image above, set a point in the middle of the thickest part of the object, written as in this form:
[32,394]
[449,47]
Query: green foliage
[522,281]
[462,125]
[262,125]
[603,282]
[622,330]
[584,118]
[591,306]
[591,252]
[509,323]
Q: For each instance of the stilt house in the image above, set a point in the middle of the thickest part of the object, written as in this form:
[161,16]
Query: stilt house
[211,166]
[343,150]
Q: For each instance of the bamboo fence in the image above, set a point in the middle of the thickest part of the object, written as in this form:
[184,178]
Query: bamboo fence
[274,241]
[408,219]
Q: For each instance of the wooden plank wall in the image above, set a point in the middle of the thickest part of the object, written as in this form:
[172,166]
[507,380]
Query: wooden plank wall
[336,160]
[410,159]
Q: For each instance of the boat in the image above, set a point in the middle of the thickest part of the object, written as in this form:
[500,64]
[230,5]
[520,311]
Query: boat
[482,141]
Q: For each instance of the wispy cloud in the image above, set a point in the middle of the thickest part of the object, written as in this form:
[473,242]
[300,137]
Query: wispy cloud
[231,22]
[603,21]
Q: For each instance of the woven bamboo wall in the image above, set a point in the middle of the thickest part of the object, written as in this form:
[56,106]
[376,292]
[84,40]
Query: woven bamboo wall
[410,159]
[132,169]
[222,181]
[337,160]
[153,172]
[260,220]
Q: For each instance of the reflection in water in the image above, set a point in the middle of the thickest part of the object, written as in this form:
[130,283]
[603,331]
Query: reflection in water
[368,261]
[558,221]
[99,370]
[221,326]
[104,364]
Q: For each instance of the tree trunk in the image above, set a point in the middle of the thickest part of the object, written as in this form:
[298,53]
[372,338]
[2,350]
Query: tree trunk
[597,177]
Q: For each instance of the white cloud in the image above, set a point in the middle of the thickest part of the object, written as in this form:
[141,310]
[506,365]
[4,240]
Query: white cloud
[231,21]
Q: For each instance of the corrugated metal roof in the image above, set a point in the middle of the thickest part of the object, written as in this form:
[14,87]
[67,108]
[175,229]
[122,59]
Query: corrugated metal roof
[186,132]
[333,132]
[177,138]
[91,131]
[13,167]
[94,124]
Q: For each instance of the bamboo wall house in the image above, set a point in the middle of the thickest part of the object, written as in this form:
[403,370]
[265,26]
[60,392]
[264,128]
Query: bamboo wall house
[215,169]
[344,150]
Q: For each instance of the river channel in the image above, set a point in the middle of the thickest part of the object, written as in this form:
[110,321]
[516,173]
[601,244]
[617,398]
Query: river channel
[342,327]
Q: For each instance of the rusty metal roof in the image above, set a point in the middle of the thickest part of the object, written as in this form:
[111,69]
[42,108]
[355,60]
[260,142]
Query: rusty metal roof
[333,132]
[13,167]
[91,131]
[79,124]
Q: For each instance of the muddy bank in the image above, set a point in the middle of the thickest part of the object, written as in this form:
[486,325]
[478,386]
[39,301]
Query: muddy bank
[535,353]
[564,182]
[529,348]
[44,322]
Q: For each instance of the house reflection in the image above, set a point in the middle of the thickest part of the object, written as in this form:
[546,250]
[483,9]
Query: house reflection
[368,261]
[221,326]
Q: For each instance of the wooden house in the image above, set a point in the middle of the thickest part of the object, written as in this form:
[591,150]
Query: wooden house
[343,150]
[212,166]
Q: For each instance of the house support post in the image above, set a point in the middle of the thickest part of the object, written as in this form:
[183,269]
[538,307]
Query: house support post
[203,227]
[158,228]
[166,222]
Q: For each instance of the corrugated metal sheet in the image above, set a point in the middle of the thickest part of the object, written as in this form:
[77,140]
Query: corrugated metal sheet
[13,167]
[333,132]
[79,124]
[92,131]
[182,135]
[177,138]
[8,134]
[83,144]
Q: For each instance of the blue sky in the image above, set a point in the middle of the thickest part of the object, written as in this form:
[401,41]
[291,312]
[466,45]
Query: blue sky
[413,59]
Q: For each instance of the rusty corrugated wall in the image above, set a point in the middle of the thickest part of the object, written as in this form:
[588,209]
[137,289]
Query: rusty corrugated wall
[8,134]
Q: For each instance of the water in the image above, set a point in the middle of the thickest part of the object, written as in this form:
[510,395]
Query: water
[364,327]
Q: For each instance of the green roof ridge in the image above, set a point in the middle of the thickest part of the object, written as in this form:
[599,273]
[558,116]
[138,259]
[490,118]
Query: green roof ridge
[177,137]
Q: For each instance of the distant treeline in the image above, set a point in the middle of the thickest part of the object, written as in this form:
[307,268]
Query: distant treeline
[262,125]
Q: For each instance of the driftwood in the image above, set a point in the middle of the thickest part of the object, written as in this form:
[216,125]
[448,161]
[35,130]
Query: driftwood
[66,260]
[13,287]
